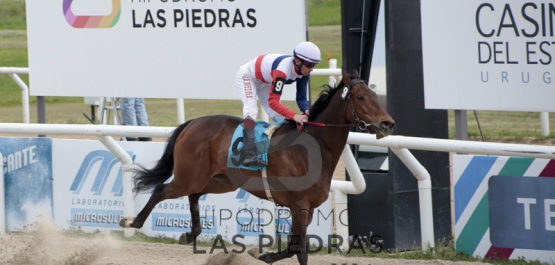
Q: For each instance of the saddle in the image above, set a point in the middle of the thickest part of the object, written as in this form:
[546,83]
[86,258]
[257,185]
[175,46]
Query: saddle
[262,135]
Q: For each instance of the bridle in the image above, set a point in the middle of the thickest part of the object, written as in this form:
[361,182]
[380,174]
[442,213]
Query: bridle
[345,95]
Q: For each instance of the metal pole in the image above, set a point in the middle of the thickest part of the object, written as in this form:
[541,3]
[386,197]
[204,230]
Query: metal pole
[102,111]
[461,126]
[41,111]
[117,120]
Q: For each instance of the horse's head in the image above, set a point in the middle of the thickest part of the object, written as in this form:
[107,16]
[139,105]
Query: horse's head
[362,107]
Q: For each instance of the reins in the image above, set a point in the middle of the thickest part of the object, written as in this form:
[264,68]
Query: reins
[345,96]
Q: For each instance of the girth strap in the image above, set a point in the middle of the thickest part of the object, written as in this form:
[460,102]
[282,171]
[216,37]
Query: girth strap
[266,186]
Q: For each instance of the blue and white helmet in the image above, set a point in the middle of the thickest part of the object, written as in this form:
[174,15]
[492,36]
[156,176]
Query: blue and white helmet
[307,51]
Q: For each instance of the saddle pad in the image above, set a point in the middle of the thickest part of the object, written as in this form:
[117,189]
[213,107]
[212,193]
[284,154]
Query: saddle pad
[235,155]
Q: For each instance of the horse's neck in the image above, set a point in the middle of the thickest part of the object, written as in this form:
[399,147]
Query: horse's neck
[333,138]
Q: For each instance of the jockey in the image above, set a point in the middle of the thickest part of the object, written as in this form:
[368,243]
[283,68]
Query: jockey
[264,77]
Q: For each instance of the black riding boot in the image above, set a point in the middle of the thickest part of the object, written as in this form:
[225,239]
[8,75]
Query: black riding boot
[251,158]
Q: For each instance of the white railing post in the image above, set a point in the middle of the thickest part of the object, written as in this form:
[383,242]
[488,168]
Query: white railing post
[2,196]
[424,196]
[544,117]
[340,189]
[125,159]
[332,65]
[332,72]
[180,111]
[24,96]
[13,73]
[341,217]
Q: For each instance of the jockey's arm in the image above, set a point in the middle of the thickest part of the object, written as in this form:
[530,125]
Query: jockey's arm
[302,88]
[278,82]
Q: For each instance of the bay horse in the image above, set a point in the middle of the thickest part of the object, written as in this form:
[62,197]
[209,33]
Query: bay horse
[197,155]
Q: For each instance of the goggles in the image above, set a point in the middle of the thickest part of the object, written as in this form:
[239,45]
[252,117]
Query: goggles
[309,64]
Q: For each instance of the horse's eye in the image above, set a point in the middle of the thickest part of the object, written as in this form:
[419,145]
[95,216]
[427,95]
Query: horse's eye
[360,97]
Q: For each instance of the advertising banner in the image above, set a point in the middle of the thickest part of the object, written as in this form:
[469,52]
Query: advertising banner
[530,205]
[235,216]
[489,55]
[155,48]
[87,188]
[27,166]
[504,207]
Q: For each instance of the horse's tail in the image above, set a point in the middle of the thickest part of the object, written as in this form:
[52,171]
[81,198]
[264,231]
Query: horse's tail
[147,178]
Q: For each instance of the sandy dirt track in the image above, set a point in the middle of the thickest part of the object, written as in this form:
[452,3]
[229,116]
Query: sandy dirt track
[51,248]
[46,246]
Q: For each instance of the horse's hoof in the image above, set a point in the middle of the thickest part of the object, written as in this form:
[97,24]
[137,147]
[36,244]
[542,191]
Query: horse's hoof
[186,238]
[254,253]
[264,257]
[125,222]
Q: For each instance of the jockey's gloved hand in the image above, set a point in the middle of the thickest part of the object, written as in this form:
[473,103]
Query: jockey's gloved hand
[300,119]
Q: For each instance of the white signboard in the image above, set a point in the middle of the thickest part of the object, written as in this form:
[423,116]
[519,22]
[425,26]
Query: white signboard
[154,48]
[489,55]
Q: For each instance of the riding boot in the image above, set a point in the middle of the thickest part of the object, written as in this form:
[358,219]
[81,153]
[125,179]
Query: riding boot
[251,158]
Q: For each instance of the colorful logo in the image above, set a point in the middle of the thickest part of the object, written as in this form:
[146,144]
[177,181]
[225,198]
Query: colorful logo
[92,21]
[107,163]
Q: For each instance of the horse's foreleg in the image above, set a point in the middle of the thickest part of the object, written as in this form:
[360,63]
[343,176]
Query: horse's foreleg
[196,228]
[302,255]
[303,218]
[297,243]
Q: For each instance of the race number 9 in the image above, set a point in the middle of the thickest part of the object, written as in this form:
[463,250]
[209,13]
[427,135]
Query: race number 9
[278,86]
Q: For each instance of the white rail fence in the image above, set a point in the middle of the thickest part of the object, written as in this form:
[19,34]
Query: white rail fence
[13,73]
[333,72]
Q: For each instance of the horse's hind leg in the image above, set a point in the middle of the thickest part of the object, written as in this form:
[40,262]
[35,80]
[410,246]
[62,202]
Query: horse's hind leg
[161,192]
[196,228]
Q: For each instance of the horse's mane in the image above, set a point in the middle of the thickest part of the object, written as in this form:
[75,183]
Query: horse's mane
[324,99]
[325,96]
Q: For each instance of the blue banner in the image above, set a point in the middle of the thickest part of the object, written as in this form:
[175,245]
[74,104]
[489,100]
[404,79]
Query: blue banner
[522,212]
[27,166]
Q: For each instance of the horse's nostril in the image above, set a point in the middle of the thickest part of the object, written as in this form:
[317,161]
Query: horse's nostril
[387,124]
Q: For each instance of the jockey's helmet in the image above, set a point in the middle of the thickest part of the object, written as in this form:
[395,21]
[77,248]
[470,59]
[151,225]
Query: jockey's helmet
[308,52]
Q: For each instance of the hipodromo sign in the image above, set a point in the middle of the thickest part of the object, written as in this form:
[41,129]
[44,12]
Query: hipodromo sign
[154,48]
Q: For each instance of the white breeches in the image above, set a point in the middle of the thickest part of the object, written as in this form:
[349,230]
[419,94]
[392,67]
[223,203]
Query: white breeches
[249,91]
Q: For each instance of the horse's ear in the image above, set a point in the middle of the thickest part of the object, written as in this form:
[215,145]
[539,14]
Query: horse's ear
[355,72]
[346,78]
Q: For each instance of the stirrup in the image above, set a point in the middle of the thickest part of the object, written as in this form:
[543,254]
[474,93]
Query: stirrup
[254,161]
